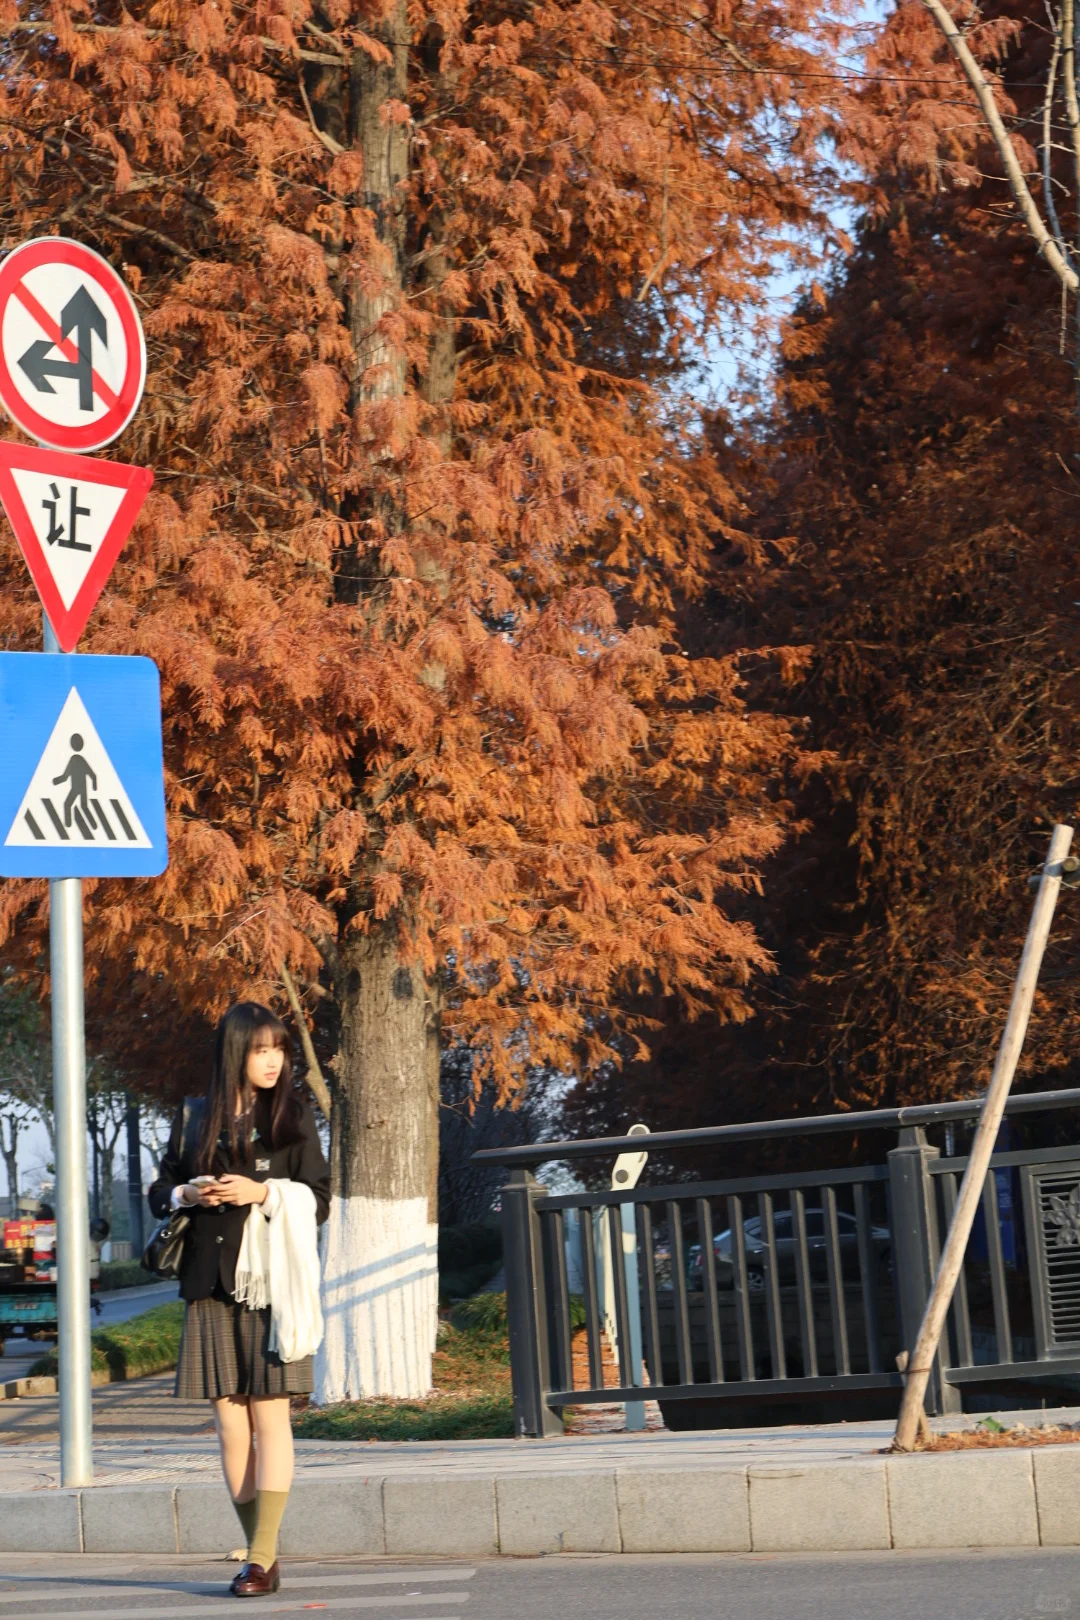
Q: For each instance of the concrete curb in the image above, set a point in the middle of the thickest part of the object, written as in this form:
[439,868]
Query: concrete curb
[1015,1498]
[16,1388]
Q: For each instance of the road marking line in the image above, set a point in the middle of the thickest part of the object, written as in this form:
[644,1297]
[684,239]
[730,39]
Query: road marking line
[273,1605]
[110,1588]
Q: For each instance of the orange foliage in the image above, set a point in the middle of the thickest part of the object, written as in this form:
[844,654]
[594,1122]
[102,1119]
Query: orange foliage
[420,660]
[925,453]
[922,451]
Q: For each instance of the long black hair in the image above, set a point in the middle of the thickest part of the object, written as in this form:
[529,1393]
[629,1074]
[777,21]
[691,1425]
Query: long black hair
[280,1109]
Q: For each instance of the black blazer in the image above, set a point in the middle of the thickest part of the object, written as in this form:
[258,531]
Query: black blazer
[212,1245]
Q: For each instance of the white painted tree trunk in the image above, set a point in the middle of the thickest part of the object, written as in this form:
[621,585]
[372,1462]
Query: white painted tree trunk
[379,1249]
[380,1299]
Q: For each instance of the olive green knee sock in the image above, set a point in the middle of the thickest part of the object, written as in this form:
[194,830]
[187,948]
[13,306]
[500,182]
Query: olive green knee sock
[269,1509]
[245,1512]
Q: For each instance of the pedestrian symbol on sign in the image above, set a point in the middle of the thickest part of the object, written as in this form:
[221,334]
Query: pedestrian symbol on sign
[94,810]
[78,773]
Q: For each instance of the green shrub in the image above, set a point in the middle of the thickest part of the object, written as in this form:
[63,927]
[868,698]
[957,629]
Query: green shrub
[484,1313]
[469,1256]
[125,1274]
[474,1243]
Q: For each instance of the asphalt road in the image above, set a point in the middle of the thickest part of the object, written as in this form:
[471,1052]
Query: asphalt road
[128,1302]
[855,1586]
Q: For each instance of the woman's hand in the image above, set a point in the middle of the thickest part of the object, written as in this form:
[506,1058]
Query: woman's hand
[240,1190]
[206,1195]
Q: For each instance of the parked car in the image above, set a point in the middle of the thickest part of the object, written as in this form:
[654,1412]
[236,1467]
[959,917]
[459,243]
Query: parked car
[757,1251]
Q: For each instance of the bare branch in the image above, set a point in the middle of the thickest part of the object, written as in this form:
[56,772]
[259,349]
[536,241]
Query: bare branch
[327,140]
[1068,32]
[1048,103]
[162,241]
[1046,244]
[314,1072]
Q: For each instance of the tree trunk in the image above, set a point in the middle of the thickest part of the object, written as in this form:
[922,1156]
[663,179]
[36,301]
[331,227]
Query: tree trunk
[134,1175]
[380,1274]
[108,1171]
[380,1263]
[9,1146]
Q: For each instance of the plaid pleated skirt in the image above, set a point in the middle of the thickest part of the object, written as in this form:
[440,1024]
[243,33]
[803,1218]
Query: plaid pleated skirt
[223,1351]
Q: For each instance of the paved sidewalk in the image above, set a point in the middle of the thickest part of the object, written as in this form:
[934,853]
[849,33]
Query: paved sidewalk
[139,1411]
[801,1489]
[147,1448]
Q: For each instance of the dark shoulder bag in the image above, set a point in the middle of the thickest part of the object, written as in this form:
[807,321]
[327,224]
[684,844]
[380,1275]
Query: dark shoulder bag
[165,1250]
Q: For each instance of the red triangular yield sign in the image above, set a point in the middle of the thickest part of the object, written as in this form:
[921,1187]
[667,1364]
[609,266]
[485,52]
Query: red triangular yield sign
[71,515]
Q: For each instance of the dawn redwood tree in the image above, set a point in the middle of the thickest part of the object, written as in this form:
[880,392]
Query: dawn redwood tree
[924,451]
[418,285]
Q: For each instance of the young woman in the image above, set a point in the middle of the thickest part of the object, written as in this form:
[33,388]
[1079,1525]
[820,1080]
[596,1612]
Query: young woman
[253,1127]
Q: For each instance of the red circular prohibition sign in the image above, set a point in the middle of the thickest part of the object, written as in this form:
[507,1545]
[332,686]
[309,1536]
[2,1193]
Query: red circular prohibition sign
[122,403]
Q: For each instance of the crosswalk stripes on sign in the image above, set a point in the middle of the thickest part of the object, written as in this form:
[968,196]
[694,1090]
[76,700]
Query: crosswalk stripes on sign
[75,795]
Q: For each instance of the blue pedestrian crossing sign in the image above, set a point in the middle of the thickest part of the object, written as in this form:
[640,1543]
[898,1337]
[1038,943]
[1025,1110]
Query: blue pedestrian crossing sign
[82,792]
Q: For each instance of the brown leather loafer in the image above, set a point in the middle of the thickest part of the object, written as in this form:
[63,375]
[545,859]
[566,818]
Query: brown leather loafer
[254,1581]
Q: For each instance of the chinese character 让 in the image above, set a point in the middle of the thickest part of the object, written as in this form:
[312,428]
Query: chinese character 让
[57,535]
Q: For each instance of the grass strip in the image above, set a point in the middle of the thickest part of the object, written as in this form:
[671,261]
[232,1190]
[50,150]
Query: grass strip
[439,1417]
[146,1344]
[471,1399]
[470,1370]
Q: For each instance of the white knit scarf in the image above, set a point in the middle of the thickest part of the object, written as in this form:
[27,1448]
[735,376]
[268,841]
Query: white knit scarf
[278,1265]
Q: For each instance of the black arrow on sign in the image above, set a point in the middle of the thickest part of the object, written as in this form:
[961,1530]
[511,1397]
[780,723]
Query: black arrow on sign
[80,315]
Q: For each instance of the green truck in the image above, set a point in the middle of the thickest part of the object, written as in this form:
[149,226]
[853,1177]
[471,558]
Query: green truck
[28,1277]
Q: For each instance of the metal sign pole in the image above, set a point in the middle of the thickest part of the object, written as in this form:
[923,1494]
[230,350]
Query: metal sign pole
[48,719]
[72,1209]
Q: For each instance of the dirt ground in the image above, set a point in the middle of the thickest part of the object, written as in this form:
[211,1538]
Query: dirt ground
[984,1439]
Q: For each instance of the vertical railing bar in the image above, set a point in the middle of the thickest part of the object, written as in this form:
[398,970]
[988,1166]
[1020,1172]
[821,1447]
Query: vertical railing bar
[742,1286]
[618,1279]
[804,1284]
[868,1273]
[647,1274]
[961,1314]
[561,1302]
[592,1311]
[772,1286]
[709,1292]
[678,1283]
[997,1269]
[835,1265]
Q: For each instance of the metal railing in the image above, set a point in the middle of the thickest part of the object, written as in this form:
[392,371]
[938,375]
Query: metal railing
[787,1292]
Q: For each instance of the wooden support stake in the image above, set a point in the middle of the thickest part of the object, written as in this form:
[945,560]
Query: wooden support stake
[982,1148]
